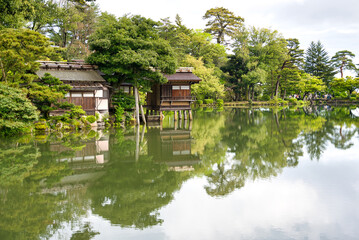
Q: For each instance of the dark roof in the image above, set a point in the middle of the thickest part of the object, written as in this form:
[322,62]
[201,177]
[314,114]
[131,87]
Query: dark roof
[182,76]
[80,86]
[70,71]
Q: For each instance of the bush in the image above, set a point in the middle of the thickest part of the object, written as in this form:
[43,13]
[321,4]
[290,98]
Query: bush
[91,118]
[293,100]
[16,111]
[353,98]
[219,102]
[208,101]
[199,102]
[119,113]
[76,112]
[265,97]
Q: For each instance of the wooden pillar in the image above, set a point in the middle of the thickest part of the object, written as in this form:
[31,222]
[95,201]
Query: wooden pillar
[190,114]
[175,116]
[185,114]
[180,114]
[161,116]
[190,125]
[185,124]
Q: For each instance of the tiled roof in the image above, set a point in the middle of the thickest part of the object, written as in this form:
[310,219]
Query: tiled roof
[70,71]
[182,76]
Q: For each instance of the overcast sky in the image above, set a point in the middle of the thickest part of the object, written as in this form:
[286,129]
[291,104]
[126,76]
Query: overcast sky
[334,23]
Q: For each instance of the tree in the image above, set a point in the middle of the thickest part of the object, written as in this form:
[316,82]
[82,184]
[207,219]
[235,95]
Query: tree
[343,61]
[310,84]
[42,15]
[317,62]
[13,13]
[19,51]
[221,23]
[129,49]
[347,85]
[210,86]
[261,51]
[47,92]
[16,111]
[74,23]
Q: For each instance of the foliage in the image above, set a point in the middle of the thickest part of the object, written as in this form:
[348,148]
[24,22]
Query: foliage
[16,111]
[210,86]
[47,92]
[343,61]
[208,101]
[221,23]
[310,84]
[119,112]
[19,51]
[91,118]
[199,102]
[317,62]
[258,55]
[345,85]
[219,102]
[130,49]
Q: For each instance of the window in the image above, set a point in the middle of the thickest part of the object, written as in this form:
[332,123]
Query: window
[176,87]
[184,87]
[76,95]
[88,94]
[125,89]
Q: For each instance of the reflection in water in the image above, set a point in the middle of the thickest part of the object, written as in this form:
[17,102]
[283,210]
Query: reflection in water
[49,184]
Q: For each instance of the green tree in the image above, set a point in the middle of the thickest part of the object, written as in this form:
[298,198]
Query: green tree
[16,111]
[210,86]
[310,84]
[221,23]
[47,92]
[259,56]
[19,51]
[13,13]
[317,62]
[347,85]
[129,49]
[343,60]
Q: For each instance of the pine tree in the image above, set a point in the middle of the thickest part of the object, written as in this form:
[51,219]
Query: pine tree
[222,22]
[317,62]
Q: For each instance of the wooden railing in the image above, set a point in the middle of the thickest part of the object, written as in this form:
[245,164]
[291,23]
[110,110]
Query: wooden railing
[180,98]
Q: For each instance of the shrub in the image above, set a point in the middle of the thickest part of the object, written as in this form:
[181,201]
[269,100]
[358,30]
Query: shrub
[199,102]
[265,97]
[208,101]
[293,100]
[91,118]
[352,98]
[219,102]
[76,112]
[119,112]
[16,111]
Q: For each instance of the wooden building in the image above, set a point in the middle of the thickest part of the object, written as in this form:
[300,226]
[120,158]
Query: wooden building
[175,95]
[88,87]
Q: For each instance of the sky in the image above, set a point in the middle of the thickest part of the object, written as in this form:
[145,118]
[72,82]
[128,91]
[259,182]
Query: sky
[334,23]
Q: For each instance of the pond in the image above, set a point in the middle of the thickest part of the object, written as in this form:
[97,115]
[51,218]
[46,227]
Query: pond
[231,174]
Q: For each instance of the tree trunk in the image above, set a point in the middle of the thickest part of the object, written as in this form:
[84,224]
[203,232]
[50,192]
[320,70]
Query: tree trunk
[137,115]
[141,108]
[276,88]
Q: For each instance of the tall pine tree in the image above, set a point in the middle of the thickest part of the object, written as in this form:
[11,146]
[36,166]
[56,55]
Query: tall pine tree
[317,62]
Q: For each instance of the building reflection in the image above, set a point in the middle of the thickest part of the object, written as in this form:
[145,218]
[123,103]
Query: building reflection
[172,145]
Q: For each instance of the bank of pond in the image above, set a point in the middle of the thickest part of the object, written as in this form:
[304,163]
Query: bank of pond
[68,183]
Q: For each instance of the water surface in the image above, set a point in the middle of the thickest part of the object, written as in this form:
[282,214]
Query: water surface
[234,174]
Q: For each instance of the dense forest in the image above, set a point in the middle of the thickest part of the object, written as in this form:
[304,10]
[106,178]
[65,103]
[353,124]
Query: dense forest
[235,62]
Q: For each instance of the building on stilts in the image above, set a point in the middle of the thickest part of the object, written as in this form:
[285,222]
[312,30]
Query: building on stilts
[175,95]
